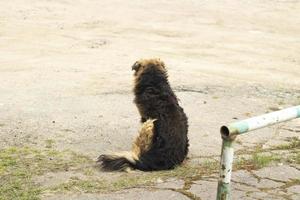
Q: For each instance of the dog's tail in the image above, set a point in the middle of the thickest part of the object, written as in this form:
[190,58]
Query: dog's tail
[119,161]
[138,158]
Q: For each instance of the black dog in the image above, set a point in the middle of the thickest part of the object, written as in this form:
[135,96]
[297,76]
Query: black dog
[162,142]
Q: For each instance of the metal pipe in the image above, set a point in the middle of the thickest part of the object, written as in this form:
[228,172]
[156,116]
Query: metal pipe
[225,170]
[229,134]
[258,122]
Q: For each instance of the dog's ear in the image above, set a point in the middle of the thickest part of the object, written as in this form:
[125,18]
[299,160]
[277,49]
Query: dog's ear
[136,66]
[161,63]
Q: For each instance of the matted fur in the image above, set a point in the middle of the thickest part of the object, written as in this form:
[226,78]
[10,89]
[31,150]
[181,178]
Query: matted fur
[162,142]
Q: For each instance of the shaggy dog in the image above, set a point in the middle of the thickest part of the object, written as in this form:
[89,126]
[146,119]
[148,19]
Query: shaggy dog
[162,142]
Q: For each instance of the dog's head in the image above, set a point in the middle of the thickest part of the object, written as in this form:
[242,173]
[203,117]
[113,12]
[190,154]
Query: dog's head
[141,65]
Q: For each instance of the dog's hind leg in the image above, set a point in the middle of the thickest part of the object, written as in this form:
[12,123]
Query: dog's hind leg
[144,141]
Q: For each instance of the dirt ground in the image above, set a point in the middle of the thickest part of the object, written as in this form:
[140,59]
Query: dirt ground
[66,79]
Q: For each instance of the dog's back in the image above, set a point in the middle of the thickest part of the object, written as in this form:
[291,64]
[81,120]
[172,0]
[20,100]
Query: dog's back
[162,142]
[156,100]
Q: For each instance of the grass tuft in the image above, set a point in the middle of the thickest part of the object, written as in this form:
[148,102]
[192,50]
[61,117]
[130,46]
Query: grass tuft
[19,164]
[294,143]
[256,161]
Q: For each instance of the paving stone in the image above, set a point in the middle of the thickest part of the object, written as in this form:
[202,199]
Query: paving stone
[294,189]
[266,183]
[283,173]
[244,177]
[236,194]
[205,189]
[133,194]
[258,195]
[264,196]
[245,188]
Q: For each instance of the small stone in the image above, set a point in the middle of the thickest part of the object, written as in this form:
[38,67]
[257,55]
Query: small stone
[159,180]
[274,108]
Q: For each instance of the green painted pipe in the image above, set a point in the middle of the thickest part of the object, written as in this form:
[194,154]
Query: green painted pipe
[225,170]
[229,134]
[237,128]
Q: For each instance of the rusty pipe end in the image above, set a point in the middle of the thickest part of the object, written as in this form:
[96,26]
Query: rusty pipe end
[227,133]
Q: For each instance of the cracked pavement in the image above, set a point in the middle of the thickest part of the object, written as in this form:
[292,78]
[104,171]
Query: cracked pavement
[66,83]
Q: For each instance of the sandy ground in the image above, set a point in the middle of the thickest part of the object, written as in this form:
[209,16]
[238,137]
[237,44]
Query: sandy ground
[65,68]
